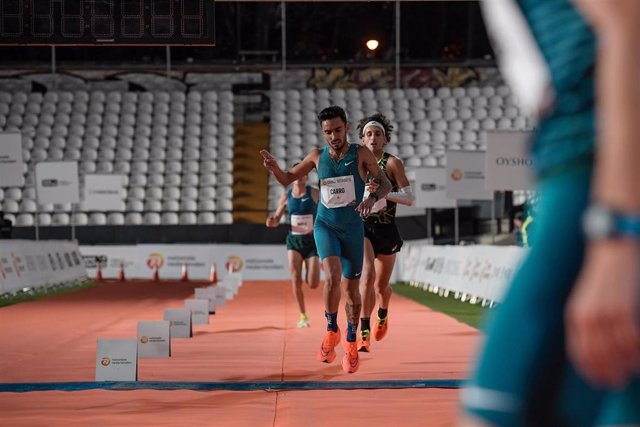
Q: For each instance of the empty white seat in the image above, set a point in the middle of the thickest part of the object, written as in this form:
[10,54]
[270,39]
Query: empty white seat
[28,205]
[43,219]
[190,180]
[406,151]
[24,220]
[171,193]
[188,205]
[135,205]
[140,167]
[413,162]
[151,218]
[488,124]
[190,192]
[170,218]
[224,178]
[206,205]
[122,167]
[504,123]
[173,167]
[80,218]
[10,206]
[172,179]
[519,123]
[155,179]
[188,218]
[97,218]
[152,205]
[133,218]
[60,218]
[104,167]
[138,180]
[469,136]
[154,193]
[171,205]
[224,218]
[206,218]
[13,193]
[496,113]
[423,150]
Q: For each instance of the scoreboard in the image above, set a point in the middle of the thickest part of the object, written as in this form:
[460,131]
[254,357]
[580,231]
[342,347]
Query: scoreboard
[107,22]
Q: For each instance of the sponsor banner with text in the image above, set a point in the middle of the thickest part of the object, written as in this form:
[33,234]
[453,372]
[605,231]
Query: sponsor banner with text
[466,176]
[481,270]
[11,163]
[255,262]
[509,162]
[103,192]
[430,188]
[57,182]
[31,264]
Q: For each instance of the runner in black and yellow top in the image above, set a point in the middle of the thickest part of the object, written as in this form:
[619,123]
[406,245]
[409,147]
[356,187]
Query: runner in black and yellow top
[301,202]
[382,239]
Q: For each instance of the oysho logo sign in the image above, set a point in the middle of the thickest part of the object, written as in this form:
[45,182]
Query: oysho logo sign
[457,174]
[514,161]
[234,263]
[155,260]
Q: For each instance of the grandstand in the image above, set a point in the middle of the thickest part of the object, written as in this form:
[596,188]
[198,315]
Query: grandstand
[176,149]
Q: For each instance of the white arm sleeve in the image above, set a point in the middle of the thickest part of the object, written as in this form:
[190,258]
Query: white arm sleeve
[404,196]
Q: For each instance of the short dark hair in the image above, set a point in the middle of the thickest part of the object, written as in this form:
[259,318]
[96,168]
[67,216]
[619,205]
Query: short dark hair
[380,118]
[331,113]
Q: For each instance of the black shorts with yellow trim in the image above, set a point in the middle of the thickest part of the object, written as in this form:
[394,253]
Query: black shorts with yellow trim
[304,244]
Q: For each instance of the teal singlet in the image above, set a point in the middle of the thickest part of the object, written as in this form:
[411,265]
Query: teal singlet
[339,230]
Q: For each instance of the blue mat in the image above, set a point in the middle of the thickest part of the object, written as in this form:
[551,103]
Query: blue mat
[232,386]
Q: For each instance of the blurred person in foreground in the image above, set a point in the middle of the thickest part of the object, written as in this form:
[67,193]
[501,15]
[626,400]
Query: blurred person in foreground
[564,346]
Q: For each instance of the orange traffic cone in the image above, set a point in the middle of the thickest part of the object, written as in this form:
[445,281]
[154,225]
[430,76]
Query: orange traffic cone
[121,275]
[213,277]
[156,275]
[185,274]
[99,277]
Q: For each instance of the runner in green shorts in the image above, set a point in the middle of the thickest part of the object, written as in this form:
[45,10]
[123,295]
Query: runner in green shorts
[301,202]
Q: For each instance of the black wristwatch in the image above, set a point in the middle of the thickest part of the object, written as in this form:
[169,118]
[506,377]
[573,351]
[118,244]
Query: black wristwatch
[374,195]
[601,222]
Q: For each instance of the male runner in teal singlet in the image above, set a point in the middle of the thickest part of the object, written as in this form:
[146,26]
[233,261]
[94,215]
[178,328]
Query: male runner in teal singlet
[563,348]
[339,229]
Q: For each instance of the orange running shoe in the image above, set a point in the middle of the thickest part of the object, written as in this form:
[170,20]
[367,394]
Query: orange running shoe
[351,360]
[364,341]
[380,328]
[327,352]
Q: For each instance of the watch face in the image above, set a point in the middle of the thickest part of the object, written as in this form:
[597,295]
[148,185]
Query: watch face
[598,223]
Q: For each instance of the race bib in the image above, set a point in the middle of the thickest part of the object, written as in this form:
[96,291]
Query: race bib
[378,205]
[338,191]
[301,224]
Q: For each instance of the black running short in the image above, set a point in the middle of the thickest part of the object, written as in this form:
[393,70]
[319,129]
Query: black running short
[384,238]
